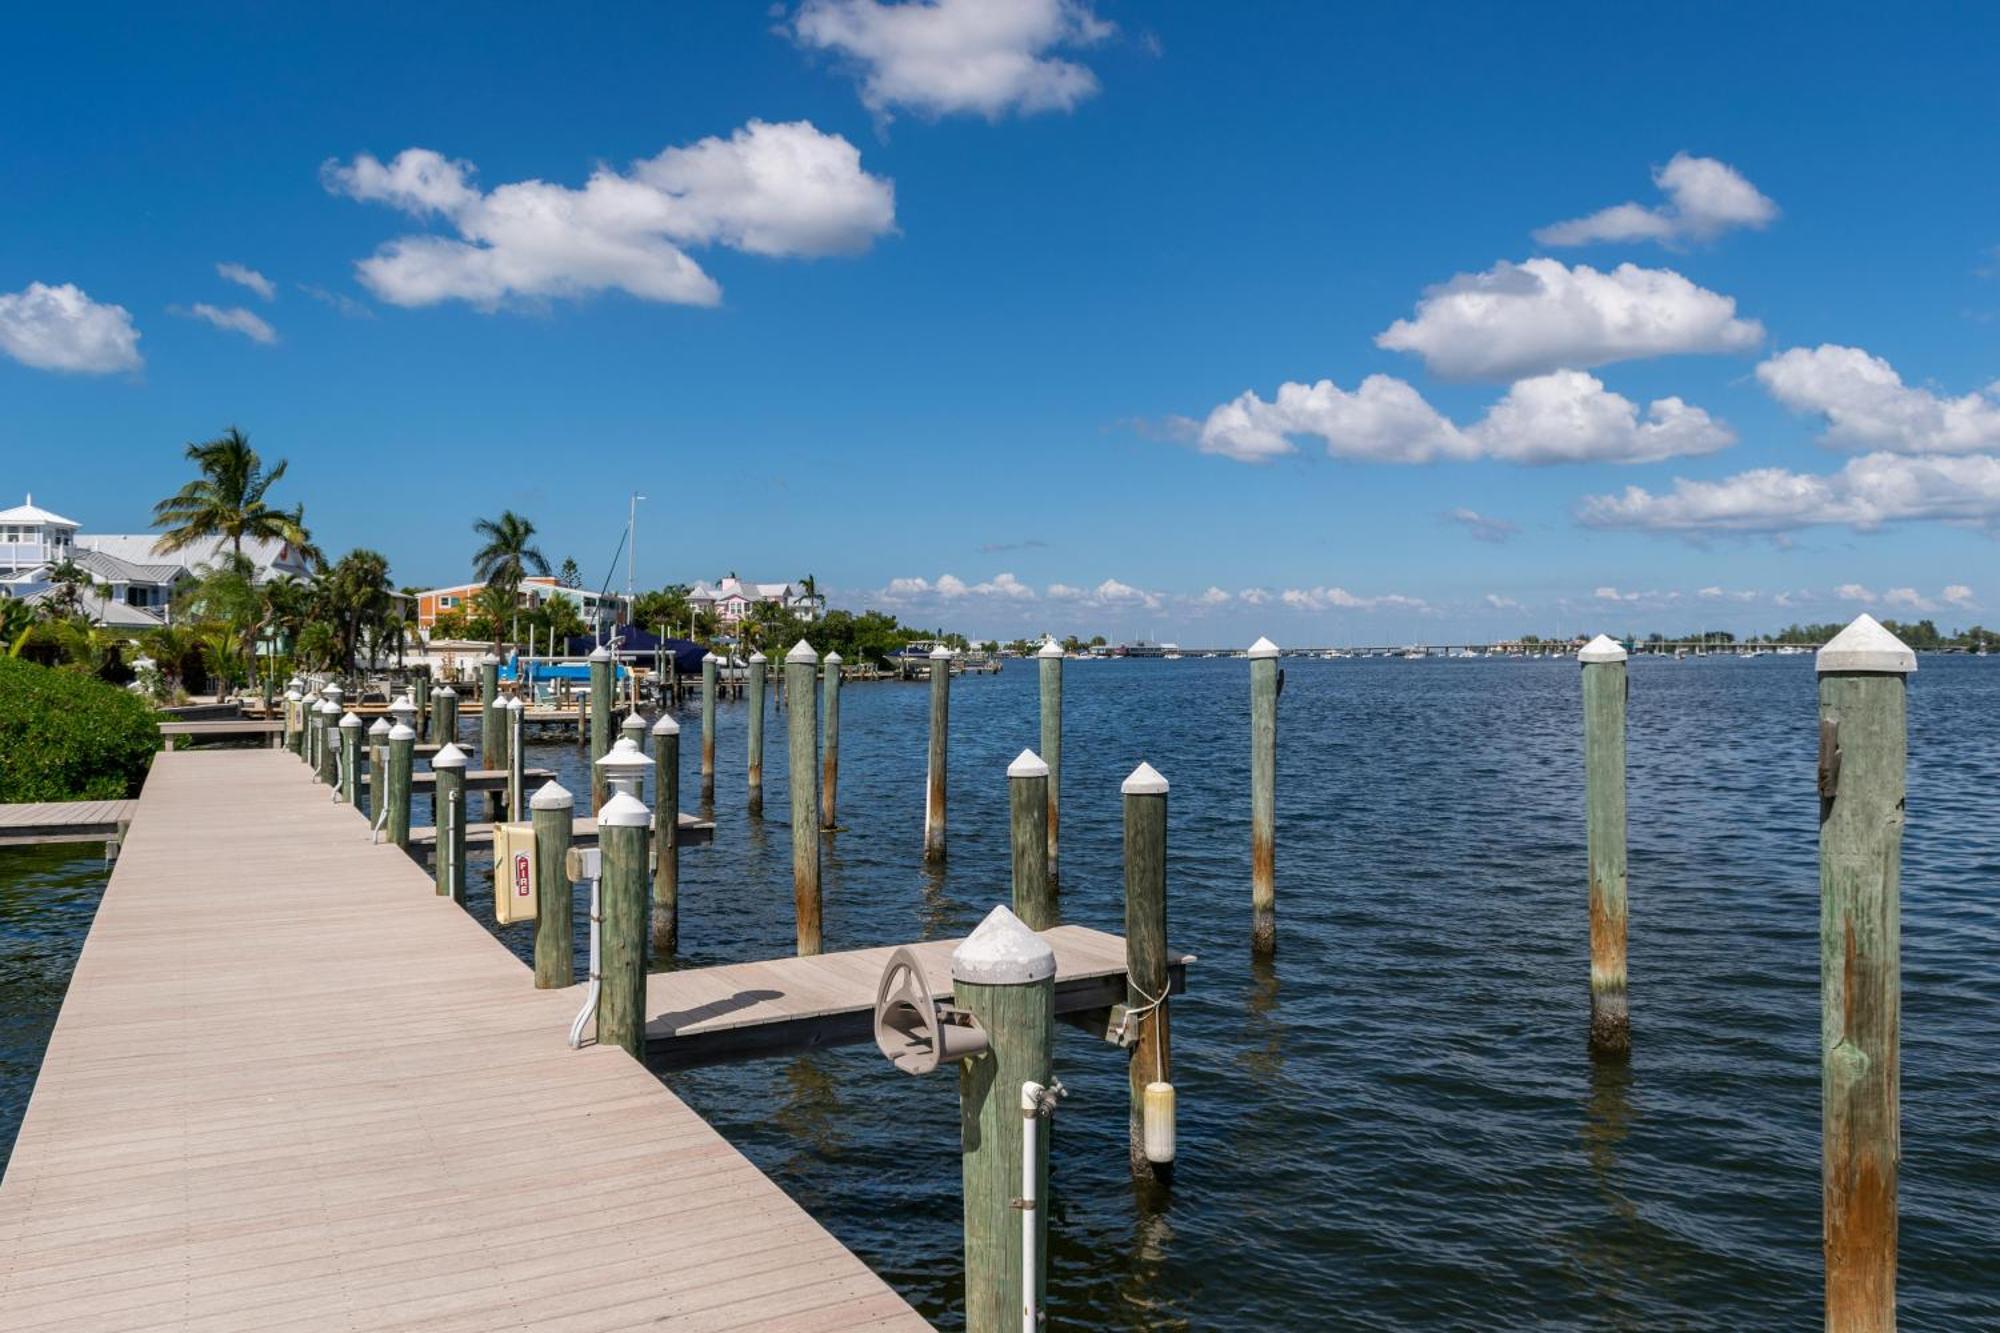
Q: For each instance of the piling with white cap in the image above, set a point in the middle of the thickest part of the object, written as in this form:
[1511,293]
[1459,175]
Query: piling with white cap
[621,839]
[329,742]
[1150,1071]
[378,768]
[1004,976]
[293,731]
[755,698]
[667,837]
[829,743]
[1604,693]
[553,809]
[444,714]
[350,757]
[802,735]
[1028,815]
[935,784]
[420,695]
[449,766]
[402,754]
[517,759]
[1049,662]
[600,721]
[1863,756]
[1264,687]
[710,665]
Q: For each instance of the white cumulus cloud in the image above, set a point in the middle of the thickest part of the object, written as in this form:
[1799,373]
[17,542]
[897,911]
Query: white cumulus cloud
[1483,527]
[936,57]
[1340,599]
[1542,315]
[1569,417]
[1866,405]
[234,319]
[245,276]
[61,328]
[1957,594]
[771,189]
[1866,493]
[1705,198]
[1502,603]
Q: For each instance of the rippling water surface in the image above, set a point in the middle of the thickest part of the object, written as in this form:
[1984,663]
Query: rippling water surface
[1395,1124]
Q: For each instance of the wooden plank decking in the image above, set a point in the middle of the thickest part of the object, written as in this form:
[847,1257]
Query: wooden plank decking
[62,821]
[292,1088]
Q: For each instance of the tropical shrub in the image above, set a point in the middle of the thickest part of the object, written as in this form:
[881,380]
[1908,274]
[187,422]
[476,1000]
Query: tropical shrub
[67,736]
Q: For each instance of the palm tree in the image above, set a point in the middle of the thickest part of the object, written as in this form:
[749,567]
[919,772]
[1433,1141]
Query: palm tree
[810,586]
[227,500]
[509,552]
[358,597]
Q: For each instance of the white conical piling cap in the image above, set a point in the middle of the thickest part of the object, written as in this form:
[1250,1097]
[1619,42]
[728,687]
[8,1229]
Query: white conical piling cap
[402,731]
[1002,952]
[1027,764]
[1049,648]
[292,695]
[940,654]
[1145,781]
[832,658]
[758,657]
[1603,648]
[328,708]
[490,658]
[623,810]
[1263,648]
[348,721]
[444,692]
[379,728]
[633,723]
[600,654]
[551,795]
[666,726]
[710,657]
[802,652]
[1866,646]
[449,757]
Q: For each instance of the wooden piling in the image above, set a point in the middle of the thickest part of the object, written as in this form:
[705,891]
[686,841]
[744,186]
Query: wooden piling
[1004,975]
[755,695]
[709,666]
[1028,810]
[517,760]
[633,729]
[420,695]
[829,742]
[621,1003]
[378,768]
[802,727]
[491,753]
[552,809]
[350,757]
[1263,796]
[449,765]
[935,783]
[1049,663]
[666,837]
[1863,741]
[402,753]
[1151,1053]
[600,721]
[292,698]
[329,743]
[1604,692]
[444,715]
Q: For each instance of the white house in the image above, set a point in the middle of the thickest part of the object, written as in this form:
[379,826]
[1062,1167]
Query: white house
[731,598]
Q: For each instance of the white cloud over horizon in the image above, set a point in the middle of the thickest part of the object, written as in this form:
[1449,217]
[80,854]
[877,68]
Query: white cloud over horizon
[234,319]
[1866,493]
[779,190]
[940,57]
[244,276]
[1705,198]
[1865,404]
[60,328]
[1540,315]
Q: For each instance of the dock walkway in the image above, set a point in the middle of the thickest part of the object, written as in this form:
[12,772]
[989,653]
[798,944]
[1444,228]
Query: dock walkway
[292,1088]
[62,821]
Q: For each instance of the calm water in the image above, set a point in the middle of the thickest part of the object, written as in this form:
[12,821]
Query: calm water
[1396,1125]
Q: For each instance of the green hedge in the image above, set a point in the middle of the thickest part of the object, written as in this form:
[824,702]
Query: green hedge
[67,736]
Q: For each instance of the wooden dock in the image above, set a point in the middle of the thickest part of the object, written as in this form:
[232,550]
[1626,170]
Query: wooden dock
[739,1010]
[63,821]
[290,1086]
[218,729]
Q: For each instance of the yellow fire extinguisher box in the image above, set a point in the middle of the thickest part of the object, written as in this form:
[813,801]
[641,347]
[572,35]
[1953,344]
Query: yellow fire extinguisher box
[513,873]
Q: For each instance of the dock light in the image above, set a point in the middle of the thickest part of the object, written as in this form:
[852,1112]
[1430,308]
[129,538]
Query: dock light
[624,765]
[403,711]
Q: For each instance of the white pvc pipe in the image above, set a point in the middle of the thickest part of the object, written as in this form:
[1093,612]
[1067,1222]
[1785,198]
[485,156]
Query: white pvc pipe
[596,981]
[1031,1123]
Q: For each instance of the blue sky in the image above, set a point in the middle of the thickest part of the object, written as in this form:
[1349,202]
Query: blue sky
[956,306]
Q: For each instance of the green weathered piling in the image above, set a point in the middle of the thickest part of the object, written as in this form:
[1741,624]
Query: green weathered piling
[600,721]
[1028,814]
[517,760]
[935,781]
[1049,663]
[621,1005]
[1146,979]
[444,715]
[1604,690]
[329,742]
[709,666]
[829,742]
[492,753]
[378,768]
[1862,770]
[1004,975]
[553,810]
[1263,796]
[449,766]
[667,837]
[350,757]
[633,729]
[420,695]
[292,738]
[402,753]
[754,696]
[802,727]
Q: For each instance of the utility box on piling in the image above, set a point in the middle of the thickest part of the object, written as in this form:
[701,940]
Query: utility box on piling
[514,886]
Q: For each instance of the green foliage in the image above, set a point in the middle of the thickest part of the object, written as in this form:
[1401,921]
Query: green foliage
[871,636]
[227,501]
[668,607]
[70,737]
[509,554]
